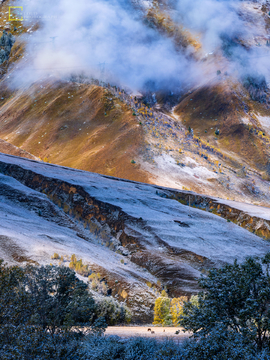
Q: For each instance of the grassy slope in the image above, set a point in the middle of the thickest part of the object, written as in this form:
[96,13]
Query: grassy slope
[74,125]
[78,133]
[218,107]
[10,149]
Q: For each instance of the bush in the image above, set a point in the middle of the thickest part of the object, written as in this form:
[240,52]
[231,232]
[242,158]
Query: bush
[113,348]
[97,284]
[79,267]
[256,86]
[112,311]
[221,344]
[25,342]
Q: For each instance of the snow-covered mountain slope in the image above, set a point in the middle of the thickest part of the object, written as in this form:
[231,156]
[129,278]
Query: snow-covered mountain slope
[137,236]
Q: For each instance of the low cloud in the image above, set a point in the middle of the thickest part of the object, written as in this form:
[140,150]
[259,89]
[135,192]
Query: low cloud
[104,38]
[108,40]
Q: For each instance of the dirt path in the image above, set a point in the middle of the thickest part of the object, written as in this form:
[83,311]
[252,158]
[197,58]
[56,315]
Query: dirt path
[160,333]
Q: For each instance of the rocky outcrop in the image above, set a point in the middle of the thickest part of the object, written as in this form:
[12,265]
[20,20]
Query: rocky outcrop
[255,224]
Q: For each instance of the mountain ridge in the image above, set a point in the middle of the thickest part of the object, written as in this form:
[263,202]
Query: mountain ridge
[103,220]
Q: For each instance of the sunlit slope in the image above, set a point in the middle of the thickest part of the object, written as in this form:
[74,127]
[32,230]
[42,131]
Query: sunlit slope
[8,148]
[181,36]
[225,118]
[76,125]
[211,137]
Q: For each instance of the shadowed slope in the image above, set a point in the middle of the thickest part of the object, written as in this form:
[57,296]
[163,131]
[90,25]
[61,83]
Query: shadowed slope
[131,233]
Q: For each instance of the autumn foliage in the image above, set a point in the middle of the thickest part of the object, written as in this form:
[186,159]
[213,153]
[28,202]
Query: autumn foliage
[167,311]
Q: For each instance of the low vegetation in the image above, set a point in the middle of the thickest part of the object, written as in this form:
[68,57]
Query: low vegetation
[47,313]
[78,266]
[230,318]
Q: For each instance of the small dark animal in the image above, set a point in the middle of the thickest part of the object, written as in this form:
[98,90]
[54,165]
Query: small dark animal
[149,329]
[152,332]
[177,332]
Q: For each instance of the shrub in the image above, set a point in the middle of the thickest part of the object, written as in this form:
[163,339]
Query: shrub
[97,284]
[73,258]
[112,311]
[24,342]
[256,86]
[137,348]
[79,267]
[220,344]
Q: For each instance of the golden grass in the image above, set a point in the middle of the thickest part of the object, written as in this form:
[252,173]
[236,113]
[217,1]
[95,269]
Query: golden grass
[216,107]
[76,126]
[181,36]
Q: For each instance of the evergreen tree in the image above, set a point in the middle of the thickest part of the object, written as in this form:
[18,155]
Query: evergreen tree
[59,299]
[236,299]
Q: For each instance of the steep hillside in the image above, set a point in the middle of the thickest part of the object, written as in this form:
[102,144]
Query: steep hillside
[137,237]
[77,125]
[7,148]
[210,135]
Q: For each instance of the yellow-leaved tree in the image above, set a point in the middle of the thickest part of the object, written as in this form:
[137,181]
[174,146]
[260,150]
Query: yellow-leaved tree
[162,315]
[176,308]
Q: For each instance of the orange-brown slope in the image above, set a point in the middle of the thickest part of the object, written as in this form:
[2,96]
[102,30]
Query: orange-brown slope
[10,149]
[81,126]
[221,108]
[162,21]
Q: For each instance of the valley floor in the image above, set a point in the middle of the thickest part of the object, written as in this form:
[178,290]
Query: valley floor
[161,333]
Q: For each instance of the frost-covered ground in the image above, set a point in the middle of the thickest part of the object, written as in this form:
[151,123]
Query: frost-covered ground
[155,239]
[160,333]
